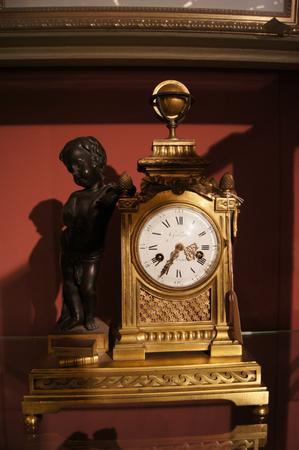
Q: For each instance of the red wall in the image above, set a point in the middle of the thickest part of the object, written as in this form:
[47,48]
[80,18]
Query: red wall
[244,122]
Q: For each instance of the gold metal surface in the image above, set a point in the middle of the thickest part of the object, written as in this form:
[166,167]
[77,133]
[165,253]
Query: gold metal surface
[174,176]
[173,377]
[171,101]
[162,147]
[31,422]
[170,106]
[174,344]
[261,411]
[153,309]
[76,345]
[134,281]
[79,361]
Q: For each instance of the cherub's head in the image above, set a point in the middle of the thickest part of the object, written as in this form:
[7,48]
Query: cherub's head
[85,159]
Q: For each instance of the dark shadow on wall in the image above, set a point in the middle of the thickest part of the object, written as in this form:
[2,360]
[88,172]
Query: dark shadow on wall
[28,309]
[105,438]
[256,249]
[28,295]
[263,169]
[262,162]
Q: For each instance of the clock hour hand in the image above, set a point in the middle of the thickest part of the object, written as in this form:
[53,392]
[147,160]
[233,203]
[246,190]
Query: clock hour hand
[173,255]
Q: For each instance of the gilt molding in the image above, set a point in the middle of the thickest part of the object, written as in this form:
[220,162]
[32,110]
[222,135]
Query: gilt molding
[191,378]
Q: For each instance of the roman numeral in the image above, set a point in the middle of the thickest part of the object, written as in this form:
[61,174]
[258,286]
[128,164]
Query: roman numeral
[201,261]
[178,274]
[205,247]
[202,233]
[153,247]
[158,234]
[192,270]
[166,223]
[179,220]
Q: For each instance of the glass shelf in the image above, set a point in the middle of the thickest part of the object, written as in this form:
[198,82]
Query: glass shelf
[196,425]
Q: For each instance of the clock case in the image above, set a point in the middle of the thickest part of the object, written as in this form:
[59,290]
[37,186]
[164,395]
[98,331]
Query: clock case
[173,344]
[157,318]
[200,359]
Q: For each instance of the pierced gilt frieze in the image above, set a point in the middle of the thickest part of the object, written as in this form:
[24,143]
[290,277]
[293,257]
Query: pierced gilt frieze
[192,378]
[150,186]
[154,309]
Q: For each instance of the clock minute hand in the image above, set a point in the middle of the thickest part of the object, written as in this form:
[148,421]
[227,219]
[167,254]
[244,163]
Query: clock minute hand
[168,263]
[173,255]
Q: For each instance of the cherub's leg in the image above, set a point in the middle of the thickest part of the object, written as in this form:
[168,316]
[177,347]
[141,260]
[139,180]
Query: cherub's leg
[88,293]
[71,297]
[66,274]
[65,313]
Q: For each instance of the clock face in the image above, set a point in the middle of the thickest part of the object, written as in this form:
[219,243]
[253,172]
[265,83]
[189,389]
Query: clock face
[178,246]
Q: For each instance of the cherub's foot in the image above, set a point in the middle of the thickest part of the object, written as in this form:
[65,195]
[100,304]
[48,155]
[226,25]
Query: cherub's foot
[62,319]
[90,323]
[70,323]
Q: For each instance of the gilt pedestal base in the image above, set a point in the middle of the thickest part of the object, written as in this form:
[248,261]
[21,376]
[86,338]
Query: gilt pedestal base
[158,379]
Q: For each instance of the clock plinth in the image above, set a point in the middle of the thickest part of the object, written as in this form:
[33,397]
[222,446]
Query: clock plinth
[160,379]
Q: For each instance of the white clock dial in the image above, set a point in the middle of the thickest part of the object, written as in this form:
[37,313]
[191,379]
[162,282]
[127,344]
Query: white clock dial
[178,246]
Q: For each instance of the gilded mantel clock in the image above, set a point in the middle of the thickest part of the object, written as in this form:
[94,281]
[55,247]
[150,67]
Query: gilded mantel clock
[180,337]
[176,234]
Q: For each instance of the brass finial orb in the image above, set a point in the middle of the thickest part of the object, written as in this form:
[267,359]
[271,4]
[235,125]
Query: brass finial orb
[171,101]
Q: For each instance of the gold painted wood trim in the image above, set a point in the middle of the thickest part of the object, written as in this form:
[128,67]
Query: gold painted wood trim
[89,36]
[142,18]
[130,49]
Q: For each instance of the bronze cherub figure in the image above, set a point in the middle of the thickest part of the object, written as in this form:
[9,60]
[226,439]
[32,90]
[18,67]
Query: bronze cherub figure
[86,216]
